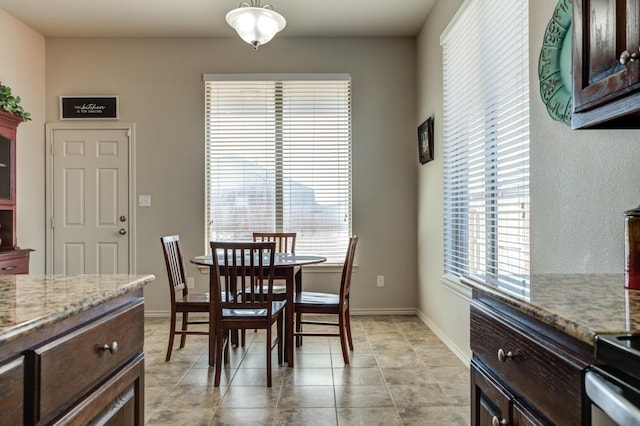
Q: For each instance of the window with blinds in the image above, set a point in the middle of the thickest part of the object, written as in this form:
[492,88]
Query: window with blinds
[278,159]
[486,143]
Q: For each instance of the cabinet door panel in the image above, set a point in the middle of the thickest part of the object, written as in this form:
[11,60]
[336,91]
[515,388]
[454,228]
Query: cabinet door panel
[12,392]
[523,417]
[118,401]
[603,29]
[488,398]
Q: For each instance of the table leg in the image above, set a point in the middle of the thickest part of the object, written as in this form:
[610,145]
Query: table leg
[298,278]
[212,329]
[289,316]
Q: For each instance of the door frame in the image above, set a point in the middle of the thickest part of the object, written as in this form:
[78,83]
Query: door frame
[50,129]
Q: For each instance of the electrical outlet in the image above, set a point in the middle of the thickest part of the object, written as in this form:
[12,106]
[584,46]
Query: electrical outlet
[190,282]
[380,281]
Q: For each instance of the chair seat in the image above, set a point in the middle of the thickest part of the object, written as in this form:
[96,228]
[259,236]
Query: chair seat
[313,298]
[197,298]
[279,292]
[276,306]
[194,298]
[277,289]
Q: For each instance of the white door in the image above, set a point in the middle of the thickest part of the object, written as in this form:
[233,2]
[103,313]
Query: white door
[90,201]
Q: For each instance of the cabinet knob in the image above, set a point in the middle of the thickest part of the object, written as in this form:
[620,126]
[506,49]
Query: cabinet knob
[626,57]
[122,231]
[503,356]
[112,348]
[495,421]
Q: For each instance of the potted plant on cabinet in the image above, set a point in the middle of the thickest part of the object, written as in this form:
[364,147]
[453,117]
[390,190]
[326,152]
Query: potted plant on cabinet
[11,104]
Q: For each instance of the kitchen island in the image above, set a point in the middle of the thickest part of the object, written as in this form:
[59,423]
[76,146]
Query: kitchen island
[530,349]
[72,349]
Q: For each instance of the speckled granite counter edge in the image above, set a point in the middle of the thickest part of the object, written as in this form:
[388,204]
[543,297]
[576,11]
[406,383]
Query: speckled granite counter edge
[567,326]
[30,326]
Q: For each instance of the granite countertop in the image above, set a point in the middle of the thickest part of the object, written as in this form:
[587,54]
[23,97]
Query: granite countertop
[29,302]
[581,305]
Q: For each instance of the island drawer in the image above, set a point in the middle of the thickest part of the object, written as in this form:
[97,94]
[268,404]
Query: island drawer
[74,363]
[532,367]
[12,392]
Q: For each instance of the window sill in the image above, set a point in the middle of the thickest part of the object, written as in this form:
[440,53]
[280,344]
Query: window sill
[453,284]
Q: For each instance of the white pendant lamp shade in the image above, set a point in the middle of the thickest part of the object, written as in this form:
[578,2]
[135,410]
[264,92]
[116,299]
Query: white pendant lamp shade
[256,25]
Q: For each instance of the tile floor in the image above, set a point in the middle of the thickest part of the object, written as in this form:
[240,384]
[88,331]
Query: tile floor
[400,374]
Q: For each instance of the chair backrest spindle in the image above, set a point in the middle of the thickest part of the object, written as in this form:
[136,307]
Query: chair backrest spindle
[285,241]
[174,262]
[345,282]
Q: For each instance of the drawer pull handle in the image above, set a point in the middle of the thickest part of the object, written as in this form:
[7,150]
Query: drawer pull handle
[9,268]
[112,348]
[503,356]
[495,421]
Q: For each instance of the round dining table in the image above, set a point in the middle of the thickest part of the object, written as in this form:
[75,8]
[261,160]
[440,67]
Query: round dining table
[289,266]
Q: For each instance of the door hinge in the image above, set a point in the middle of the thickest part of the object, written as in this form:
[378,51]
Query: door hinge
[53,222]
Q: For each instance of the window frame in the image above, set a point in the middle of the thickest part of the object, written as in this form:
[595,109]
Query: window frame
[280,194]
[498,202]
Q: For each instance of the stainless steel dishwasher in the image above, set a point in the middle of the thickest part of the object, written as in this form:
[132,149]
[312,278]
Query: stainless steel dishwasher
[612,385]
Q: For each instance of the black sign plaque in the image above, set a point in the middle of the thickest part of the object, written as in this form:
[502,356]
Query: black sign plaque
[88,107]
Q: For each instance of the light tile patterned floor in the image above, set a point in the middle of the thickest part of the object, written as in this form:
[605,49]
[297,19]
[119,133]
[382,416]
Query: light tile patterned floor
[400,374]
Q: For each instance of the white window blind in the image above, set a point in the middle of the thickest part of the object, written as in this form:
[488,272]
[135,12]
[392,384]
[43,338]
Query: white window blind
[278,159]
[486,143]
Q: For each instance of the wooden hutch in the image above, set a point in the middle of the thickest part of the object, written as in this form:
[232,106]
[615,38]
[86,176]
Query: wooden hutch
[13,260]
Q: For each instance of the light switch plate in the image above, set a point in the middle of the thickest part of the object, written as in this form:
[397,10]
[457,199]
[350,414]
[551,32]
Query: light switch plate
[144,200]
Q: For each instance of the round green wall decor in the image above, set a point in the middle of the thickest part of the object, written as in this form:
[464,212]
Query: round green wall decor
[554,66]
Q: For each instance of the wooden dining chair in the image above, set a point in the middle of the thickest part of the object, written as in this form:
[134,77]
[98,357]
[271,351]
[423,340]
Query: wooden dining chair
[306,302]
[182,301]
[239,265]
[285,243]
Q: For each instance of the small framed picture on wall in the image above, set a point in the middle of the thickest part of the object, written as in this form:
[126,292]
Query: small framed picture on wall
[425,141]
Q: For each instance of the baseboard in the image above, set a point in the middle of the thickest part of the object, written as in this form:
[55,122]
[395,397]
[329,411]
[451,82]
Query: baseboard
[384,311]
[462,355]
[157,314]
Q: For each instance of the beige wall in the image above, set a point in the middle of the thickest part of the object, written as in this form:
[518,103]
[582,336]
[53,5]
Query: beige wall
[581,182]
[445,308]
[160,89]
[23,69]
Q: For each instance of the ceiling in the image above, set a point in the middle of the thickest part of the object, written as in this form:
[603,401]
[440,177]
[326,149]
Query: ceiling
[206,18]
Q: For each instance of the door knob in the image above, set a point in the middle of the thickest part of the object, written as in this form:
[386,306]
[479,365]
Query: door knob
[122,231]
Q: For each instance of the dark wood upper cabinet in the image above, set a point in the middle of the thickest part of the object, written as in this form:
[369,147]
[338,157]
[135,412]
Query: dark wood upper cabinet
[12,259]
[8,128]
[606,92]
